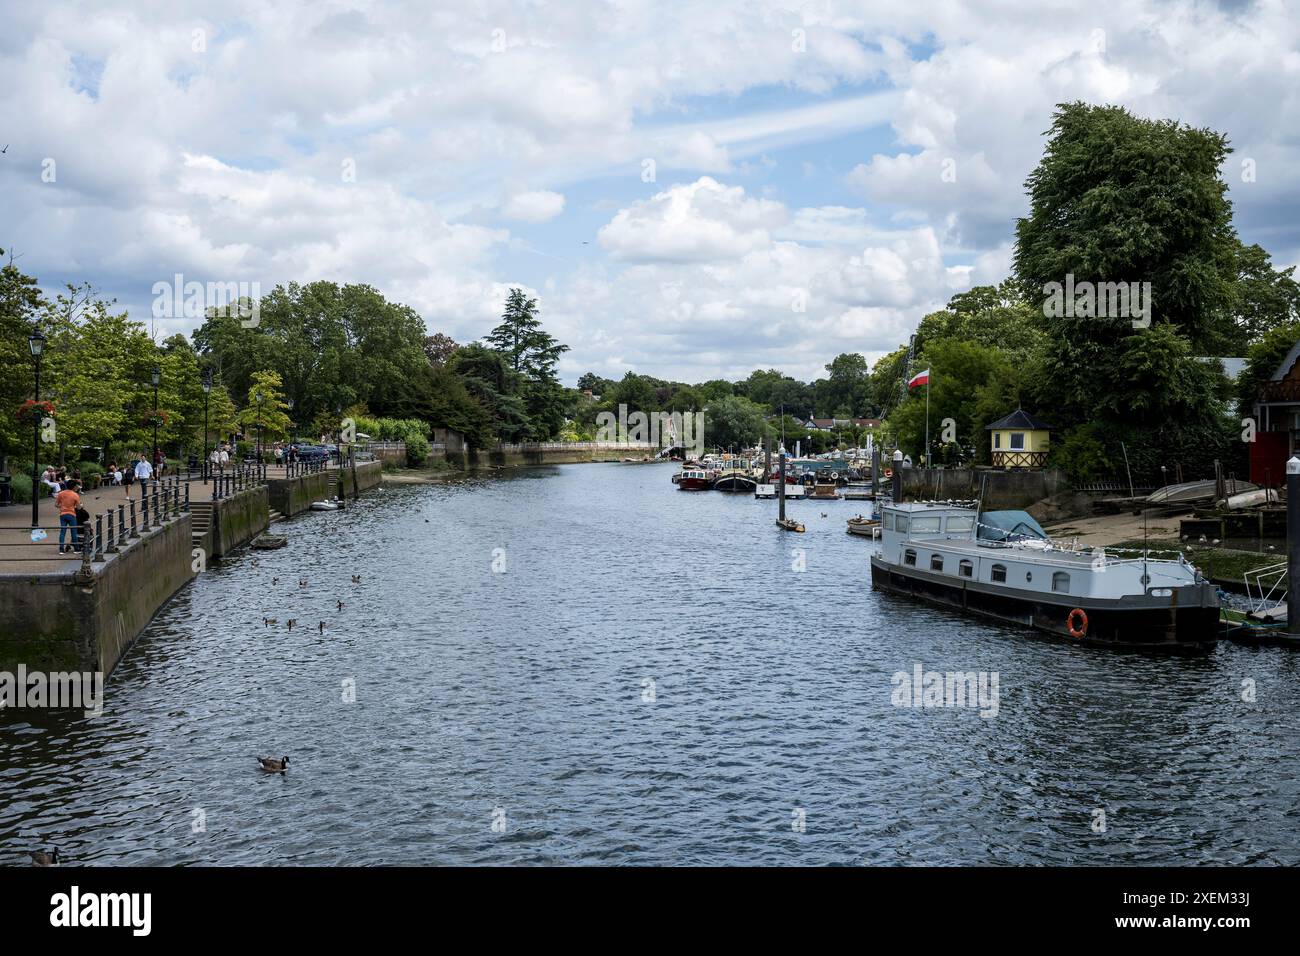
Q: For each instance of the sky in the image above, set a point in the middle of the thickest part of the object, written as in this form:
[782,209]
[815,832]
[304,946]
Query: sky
[690,190]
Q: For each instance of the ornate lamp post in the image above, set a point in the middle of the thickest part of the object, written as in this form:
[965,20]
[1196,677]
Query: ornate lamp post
[207,388]
[293,426]
[36,342]
[157,377]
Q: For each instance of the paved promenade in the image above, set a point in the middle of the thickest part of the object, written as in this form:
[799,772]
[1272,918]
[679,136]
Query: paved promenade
[20,555]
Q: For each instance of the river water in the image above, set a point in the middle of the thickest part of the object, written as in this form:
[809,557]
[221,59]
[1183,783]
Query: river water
[584,665]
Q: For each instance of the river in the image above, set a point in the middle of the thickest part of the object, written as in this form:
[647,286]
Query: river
[584,665]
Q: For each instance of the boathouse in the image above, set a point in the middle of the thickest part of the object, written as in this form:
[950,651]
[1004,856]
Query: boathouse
[1019,441]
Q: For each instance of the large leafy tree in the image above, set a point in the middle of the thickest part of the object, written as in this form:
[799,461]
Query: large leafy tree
[21,305]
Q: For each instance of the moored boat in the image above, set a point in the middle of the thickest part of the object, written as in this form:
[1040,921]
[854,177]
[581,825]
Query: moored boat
[694,479]
[867,527]
[1003,566]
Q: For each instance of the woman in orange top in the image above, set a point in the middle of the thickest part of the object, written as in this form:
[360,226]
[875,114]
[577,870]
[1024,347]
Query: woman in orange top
[67,501]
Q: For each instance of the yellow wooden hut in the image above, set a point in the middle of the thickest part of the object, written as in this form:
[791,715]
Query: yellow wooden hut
[1019,441]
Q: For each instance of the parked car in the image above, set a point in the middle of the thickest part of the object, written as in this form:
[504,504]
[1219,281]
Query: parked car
[312,452]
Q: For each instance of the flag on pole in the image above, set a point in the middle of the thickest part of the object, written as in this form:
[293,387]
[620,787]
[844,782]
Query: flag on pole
[920,378]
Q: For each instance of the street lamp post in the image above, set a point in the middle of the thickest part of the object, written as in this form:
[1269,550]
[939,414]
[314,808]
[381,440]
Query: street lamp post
[207,388]
[36,342]
[157,377]
[259,429]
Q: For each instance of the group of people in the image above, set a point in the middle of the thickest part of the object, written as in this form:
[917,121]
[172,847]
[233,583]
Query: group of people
[219,457]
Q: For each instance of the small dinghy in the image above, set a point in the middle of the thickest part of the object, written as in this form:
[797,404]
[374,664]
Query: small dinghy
[789,524]
[863,526]
[325,506]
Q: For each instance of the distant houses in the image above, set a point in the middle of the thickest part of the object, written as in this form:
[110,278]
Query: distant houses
[839,424]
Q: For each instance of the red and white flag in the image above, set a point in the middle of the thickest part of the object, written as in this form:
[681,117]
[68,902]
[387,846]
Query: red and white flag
[920,378]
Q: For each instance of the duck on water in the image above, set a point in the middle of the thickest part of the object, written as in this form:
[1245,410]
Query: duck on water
[1002,565]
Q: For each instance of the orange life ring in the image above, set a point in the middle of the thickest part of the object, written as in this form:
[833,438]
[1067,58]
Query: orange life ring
[1082,629]
[889,473]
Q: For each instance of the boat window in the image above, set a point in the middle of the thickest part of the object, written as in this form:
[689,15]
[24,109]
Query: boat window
[900,523]
[999,572]
[888,521]
[1017,440]
[960,522]
[909,557]
[1061,582]
[926,523]
[936,562]
[966,569]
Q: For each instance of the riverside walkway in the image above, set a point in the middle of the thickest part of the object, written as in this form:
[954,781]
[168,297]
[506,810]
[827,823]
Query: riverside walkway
[117,510]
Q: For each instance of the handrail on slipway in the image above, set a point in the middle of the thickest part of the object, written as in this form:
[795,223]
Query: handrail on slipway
[1265,601]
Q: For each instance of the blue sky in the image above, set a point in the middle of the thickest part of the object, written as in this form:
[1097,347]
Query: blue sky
[798,208]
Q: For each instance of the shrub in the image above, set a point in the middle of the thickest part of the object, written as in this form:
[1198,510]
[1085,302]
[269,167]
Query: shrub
[22,484]
[417,450]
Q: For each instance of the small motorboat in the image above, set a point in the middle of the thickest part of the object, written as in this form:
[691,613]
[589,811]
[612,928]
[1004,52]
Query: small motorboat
[789,524]
[866,527]
[332,505]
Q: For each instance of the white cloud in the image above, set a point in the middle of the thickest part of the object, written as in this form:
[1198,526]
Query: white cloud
[701,221]
[536,206]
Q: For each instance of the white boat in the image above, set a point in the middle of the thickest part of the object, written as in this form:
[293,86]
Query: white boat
[324,506]
[795,491]
[765,491]
[858,491]
[1002,565]
[1253,499]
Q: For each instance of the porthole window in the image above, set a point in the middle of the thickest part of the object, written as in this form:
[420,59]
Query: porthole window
[998,573]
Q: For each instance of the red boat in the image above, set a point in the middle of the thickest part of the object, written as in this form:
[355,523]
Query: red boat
[694,479]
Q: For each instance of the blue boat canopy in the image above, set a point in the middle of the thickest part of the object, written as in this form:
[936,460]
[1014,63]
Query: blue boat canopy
[1009,526]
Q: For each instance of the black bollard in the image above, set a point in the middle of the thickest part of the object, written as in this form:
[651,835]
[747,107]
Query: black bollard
[1293,545]
[898,477]
[875,469]
[780,489]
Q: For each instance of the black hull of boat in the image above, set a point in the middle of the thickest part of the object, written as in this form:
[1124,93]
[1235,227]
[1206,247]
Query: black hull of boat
[734,483]
[1189,629]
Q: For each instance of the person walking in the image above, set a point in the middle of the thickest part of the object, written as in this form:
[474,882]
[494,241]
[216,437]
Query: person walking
[143,472]
[225,457]
[67,501]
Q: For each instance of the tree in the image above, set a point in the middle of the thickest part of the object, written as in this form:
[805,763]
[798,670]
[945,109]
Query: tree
[733,422]
[1122,199]
[266,408]
[438,347]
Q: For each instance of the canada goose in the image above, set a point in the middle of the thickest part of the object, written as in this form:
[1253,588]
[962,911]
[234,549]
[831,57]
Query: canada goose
[340,605]
[275,580]
[268,621]
[291,622]
[302,582]
[255,562]
[271,765]
[45,857]
[356,579]
[321,626]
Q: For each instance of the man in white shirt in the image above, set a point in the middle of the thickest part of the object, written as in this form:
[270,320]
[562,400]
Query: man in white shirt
[143,472]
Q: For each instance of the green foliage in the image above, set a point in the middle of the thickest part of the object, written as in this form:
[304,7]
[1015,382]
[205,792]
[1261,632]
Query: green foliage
[1082,454]
[1122,199]
[733,422]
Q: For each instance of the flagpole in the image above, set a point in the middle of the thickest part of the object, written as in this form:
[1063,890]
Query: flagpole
[927,420]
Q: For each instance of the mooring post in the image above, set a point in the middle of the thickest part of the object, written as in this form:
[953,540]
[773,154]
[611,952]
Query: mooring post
[875,470]
[780,489]
[898,476]
[1293,545]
